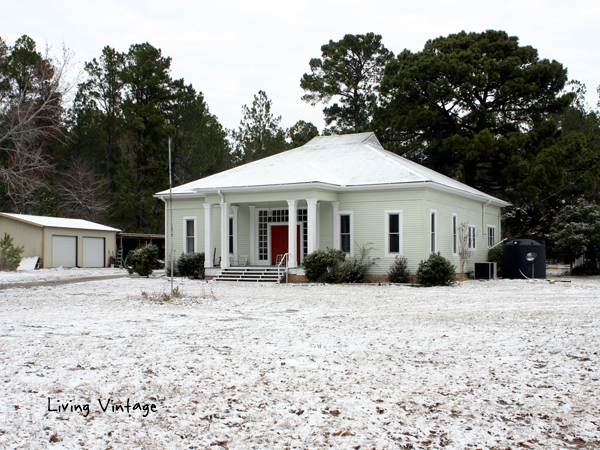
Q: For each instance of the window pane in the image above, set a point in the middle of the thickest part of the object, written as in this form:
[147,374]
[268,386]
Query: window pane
[346,243]
[394,223]
[189,227]
[433,249]
[345,224]
[454,235]
[394,243]
[190,245]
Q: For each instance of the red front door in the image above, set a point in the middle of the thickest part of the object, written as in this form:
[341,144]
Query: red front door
[279,242]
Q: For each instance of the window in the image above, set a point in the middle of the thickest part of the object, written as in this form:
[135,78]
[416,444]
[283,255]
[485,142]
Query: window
[303,219]
[471,241]
[393,233]
[491,235]
[345,233]
[190,235]
[454,234]
[433,225]
[231,235]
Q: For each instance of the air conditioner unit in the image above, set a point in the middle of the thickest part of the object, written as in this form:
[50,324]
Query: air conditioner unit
[486,271]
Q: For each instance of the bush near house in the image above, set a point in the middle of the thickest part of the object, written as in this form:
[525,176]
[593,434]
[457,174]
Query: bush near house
[436,271]
[190,265]
[142,260]
[10,256]
[354,269]
[331,266]
[496,255]
[324,266]
[399,271]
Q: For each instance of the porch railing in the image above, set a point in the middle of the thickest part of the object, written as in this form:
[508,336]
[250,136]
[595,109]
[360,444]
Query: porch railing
[281,260]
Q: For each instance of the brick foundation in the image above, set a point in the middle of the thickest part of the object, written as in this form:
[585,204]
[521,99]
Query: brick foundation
[376,279]
[297,279]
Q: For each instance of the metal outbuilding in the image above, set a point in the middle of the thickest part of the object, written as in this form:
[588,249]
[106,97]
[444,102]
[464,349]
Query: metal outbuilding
[60,242]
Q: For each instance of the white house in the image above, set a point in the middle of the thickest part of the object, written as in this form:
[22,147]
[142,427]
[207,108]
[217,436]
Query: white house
[344,191]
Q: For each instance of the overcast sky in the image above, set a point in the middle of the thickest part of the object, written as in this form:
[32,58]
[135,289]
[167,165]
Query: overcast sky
[231,49]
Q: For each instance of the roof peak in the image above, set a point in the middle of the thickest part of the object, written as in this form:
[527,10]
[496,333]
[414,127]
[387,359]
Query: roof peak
[343,139]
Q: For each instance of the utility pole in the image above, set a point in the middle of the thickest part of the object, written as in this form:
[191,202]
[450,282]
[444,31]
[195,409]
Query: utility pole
[171,213]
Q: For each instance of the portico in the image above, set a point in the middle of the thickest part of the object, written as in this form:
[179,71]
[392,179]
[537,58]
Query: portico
[269,229]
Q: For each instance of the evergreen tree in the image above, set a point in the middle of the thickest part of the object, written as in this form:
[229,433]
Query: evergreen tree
[576,228]
[120,123]
[101,98]
[259,134]
[475,106]
[200,147]
[148,98]
[349,70]
[300,133]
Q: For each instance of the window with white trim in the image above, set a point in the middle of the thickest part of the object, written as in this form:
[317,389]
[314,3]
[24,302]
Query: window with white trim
[491,231]
[190,235]
[393,233]
[433,222]
[454,234]
[345,233]
[471,237]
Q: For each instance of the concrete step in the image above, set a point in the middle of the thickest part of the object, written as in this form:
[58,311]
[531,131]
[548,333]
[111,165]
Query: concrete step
[251,274]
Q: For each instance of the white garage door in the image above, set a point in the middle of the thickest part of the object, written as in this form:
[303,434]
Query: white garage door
[64,251]
[93,252]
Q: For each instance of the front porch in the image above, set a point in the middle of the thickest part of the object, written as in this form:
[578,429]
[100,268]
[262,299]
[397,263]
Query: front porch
[255,235]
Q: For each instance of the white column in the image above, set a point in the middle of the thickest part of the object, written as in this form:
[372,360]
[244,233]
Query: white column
[292,232]
[208,242]
[336,225]
[235,209]
[253,236]
[318,234]
[312,224]
[224,235]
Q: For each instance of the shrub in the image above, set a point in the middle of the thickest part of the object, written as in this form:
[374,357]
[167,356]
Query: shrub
[354,270]
[190,265]
[436,271]
[142,260]
[399,272]
[324,266]
[496,255]
[10,256]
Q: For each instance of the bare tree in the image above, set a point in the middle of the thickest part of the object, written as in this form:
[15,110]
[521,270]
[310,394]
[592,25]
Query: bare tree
[32,94]
[464,252]
[80,192]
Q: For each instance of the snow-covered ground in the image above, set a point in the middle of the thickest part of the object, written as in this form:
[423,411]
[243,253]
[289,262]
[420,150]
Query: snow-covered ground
[34,276]
[502,364]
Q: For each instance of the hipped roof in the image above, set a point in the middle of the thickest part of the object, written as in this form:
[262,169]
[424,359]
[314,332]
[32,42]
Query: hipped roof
[58,222]
[341,162]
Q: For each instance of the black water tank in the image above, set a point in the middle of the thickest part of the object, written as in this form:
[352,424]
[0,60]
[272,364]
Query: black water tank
[524,258]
